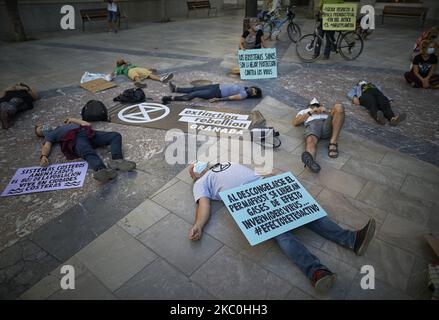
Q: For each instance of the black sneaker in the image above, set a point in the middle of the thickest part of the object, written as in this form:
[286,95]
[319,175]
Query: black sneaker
[166,99]
[105,175]
[323,280]
[309,162]
[166,77]
[122,165]
[172,86]
[364,236]
[5,119]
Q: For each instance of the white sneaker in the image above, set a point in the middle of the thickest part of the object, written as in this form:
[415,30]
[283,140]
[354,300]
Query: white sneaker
[166,77]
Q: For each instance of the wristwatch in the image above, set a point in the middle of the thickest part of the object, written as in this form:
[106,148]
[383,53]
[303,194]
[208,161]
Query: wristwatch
[309,113]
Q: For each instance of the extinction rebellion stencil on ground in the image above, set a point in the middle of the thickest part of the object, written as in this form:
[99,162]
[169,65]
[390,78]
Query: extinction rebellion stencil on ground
[184,117]
[272,206]
[39,179]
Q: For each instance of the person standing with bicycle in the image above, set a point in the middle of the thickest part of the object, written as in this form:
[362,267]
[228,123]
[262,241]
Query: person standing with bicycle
[330,39]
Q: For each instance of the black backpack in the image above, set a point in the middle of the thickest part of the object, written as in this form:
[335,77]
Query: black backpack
[94,111]
[131,95]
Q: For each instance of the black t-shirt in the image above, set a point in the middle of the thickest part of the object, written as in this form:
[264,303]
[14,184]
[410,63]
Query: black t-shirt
[257,39]
[23,94]
[424,66]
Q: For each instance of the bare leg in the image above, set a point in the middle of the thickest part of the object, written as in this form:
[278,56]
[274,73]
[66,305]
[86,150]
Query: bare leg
[311,145]
[337,121]
[154,77]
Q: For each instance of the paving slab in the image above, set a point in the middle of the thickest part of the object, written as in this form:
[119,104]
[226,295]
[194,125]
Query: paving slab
[115,257]
[381,291]
[229,275]
[160,280]
[421,189]
[142,217]
[169,239]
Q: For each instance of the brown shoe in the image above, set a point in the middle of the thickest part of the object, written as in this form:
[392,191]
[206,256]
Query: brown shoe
[398,119]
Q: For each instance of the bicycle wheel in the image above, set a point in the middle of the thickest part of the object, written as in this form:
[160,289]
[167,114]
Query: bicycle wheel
[308,47]
[350,45]
[294,32]
[267,28]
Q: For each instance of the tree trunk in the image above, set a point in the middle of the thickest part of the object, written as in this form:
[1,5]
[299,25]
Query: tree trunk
[15,19]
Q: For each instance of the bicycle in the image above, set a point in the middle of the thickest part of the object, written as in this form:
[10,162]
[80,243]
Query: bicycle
[272,26]
[349,44]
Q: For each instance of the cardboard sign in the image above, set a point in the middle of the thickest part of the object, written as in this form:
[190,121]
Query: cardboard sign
[272,206]
[54,177]
[97,85]
[339,16]
[258,63]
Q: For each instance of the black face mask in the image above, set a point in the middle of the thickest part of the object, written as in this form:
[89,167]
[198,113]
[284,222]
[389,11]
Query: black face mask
[249,91]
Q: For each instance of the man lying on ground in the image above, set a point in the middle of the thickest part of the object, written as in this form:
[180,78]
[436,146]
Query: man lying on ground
[319,124]
[371,97]
[137,74]
[208,183]
[78,140]
[214,92]
[15,99]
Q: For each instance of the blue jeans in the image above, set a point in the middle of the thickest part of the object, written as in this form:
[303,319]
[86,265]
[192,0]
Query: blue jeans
[297,252]
[204,92]
[85,147]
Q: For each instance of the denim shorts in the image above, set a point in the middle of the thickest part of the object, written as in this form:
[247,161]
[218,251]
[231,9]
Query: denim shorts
[322,129]
[112,16]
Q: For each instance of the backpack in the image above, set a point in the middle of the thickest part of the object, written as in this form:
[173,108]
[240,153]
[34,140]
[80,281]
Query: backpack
[94,110]
[260,135]
[131,95]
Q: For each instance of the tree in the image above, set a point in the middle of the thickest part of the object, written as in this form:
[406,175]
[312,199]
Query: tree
[14,17]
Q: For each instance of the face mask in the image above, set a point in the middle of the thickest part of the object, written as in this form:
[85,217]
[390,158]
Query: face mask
[430,50]
[258,27]
[199,167]
[46,129]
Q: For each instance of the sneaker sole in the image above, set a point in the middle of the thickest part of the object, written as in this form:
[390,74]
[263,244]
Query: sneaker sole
[326,283]
[400,119]
[369,236]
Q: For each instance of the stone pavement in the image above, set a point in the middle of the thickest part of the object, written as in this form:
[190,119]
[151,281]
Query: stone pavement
[128,239]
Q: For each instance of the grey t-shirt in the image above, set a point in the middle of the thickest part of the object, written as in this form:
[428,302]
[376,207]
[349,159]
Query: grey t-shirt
[57,134]
[228,90]
[222,177]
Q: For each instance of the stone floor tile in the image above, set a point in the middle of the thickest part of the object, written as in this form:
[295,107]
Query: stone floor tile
[115,256]
[169,239]
[229,275]
[421,189]
[288,162]
[297,294]
[375,172]
[160,280]
[382,291]
[142,217]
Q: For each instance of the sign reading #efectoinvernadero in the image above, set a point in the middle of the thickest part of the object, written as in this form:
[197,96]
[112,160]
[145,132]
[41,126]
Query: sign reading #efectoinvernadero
[39,179]
[272,206]
[258,63]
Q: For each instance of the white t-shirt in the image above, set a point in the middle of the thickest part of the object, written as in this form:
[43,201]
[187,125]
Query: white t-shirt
[314,116]
[112,6]
[223,177]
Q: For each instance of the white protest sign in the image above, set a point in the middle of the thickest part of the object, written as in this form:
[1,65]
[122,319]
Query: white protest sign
[258,63]
[268,207]
[39,179]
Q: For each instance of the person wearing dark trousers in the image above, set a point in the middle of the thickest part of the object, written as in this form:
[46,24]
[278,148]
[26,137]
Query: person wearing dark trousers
[213,92]
[14,100]
[79,140]
[423,71]
[372,98]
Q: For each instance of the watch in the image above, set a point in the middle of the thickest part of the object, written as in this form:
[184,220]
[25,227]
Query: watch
[309,113]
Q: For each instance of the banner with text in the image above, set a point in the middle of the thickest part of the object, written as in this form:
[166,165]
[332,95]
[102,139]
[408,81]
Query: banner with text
[54,177]
[257,63]
[339,16]
[271,206]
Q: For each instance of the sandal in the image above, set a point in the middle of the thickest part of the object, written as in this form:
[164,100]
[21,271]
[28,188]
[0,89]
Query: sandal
[309,162]
[333,152]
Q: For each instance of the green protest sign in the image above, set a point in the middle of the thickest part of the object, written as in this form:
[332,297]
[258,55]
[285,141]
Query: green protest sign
[339,17]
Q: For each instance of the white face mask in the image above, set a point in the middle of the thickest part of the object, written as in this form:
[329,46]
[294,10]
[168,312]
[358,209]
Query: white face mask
[430,50]
[199,167]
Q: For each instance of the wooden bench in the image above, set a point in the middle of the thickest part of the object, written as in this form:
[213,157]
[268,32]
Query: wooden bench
[89,15]
[195,5]
[401,11]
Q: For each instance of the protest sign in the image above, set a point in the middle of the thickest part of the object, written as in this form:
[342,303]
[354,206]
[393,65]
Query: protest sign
[39,179]
[272,206]
[339,17]
[220,120]
[258,63]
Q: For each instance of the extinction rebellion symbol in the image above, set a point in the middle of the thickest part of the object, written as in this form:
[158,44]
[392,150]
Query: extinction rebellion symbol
[143,113]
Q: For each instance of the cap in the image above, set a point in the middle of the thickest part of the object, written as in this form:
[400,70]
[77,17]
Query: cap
[314,101]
